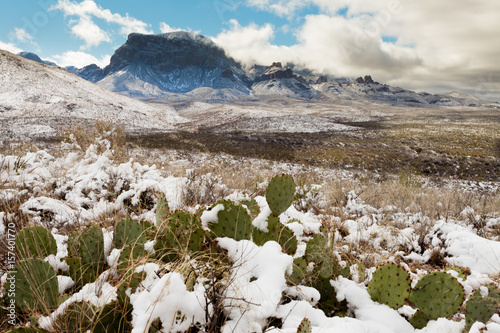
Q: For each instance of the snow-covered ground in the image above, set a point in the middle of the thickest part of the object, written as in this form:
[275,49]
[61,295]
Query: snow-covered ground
[77,189]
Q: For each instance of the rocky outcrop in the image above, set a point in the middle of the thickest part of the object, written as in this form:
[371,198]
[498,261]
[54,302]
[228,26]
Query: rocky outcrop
[176,62]
[92,73]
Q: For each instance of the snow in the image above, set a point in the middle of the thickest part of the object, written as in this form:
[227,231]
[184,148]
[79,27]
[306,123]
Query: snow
[86,186]
[469,250]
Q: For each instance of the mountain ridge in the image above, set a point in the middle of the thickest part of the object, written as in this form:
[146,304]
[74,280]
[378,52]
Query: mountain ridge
[174,66]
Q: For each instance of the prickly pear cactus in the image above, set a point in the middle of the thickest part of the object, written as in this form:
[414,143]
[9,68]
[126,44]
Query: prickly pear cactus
[252,206]
[299,271]
[179,234]
[233,221]
[128,232]
[78,317]
[129,256]
[321,253]
[479,308]
[305,326]
[35,242]
[79,273]
[74,243]
[419,320]
[162,209]
[36,286]
[91,244]
[280,193]
[276,232]
[438,294]
[390,285]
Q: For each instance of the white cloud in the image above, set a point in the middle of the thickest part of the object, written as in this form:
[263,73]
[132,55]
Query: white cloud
[22,36]
[439,45]
[10,47]
[251,44]
[88,30]
[165,28]
[79,59]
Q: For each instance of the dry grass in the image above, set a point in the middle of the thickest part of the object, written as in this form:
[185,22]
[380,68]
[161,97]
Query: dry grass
[84,135]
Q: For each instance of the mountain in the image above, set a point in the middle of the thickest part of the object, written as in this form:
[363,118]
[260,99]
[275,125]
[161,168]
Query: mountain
[35,57]
[183,66]
[37,100]
[278,81]
[177,62]
[92,73]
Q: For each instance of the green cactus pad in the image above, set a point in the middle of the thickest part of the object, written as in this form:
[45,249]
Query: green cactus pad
[479,308]
[130,280]
[305,326]
[129,256]
[112,318]
[79,273]
[419,320]
[253,207]
[181,232]
[74,243]
[92,248]
[390,285]
[35,242]
[78,317]
[280,193]
[279,233]
[321,253]
[162,209]
[233,221]
[36,287]
[438,294]
[128,232]
[460,271]
[299,271]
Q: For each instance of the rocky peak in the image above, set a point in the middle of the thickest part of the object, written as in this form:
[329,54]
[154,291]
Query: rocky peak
[175,62]
[276,71]
[366,80]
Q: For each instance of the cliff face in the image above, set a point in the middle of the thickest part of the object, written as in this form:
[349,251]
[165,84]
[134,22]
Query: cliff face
[176,62]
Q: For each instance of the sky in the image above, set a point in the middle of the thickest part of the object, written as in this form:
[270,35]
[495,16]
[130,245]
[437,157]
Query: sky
[424,45]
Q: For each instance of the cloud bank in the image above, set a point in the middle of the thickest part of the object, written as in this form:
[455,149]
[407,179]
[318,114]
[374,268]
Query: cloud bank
[422,45]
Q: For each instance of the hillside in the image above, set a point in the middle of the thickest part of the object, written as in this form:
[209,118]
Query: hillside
[36,100]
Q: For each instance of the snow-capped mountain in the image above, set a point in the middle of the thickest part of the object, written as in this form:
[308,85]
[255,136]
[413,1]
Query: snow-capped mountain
[35,57]
[177,62]
[36,99]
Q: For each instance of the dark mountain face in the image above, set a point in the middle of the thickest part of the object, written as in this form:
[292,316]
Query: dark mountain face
[34,57]
[173,62]
[92,73]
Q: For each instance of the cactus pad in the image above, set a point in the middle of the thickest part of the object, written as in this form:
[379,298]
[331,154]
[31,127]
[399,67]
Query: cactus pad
[390,285]
[305,326]
[419,320]
[162,209]
[299,271]
[280,193]
[252,206]
[179,233]
[79,273]
[35,285]
[276,232]
[35,242]
[479,308]
[128,232]
[233,222]
[438,294]
[91,244]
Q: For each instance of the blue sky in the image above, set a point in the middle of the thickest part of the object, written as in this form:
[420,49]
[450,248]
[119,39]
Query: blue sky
[425,45]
